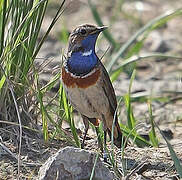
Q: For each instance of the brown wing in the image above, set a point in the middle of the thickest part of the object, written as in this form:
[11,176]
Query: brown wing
[108,89]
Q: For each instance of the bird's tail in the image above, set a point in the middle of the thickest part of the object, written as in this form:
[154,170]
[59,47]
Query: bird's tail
[119,139]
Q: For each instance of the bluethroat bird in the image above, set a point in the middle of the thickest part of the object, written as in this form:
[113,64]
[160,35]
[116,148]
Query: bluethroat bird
[87,83]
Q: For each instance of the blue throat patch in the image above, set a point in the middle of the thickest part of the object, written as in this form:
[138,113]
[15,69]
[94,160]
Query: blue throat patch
[81,65]
[82,62]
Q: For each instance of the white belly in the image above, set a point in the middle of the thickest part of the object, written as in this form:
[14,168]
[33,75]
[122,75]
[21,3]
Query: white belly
[91,102]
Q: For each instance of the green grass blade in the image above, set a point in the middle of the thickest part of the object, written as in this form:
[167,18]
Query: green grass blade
[135,49]
[42,110]
[130,117]
[68,111]
[147,57]
[114,76]
[140,142]
[2,81]
[59,12]
[154,23]
[74,132]
[50,84]
[152,133]
[93,169]
[64,34]
[131,81]
[61,111]
[2,30]
[66,105]
[97,18]
[131,133]
[129,111]
[173,155]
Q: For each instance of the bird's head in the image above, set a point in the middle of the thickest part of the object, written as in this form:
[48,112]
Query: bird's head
[83,38]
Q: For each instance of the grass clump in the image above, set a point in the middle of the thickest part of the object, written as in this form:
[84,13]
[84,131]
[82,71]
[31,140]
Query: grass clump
[20,26]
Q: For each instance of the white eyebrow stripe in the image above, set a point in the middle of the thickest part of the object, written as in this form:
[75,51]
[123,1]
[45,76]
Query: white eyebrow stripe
[87,53]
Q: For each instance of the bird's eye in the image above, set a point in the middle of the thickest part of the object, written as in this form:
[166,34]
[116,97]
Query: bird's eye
[83,31]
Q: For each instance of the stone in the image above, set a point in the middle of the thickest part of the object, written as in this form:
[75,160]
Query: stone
[74,164]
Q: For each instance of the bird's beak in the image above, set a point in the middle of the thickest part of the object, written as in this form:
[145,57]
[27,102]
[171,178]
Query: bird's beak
[100,29]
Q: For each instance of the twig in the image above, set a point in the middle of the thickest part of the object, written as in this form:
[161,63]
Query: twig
[19,120]
[9,152]
[139,169]
[16,124]
[14,157]
[173,100]
[105,52]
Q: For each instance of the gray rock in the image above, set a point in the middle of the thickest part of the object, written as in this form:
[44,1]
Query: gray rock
[73,164]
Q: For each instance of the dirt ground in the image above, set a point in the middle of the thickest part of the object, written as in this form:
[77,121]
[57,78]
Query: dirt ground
[161,78]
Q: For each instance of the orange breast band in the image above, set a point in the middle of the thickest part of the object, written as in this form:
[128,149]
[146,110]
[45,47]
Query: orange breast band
[80,82]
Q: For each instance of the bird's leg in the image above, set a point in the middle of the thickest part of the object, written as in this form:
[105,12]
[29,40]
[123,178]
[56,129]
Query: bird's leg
[105,138]
[104,153]
[95,122]
[86,124]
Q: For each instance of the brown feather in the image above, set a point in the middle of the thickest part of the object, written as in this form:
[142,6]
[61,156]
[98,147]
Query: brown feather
[109,91]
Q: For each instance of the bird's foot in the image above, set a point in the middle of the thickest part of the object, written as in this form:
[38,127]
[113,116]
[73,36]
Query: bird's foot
[82,145]
[105,156]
